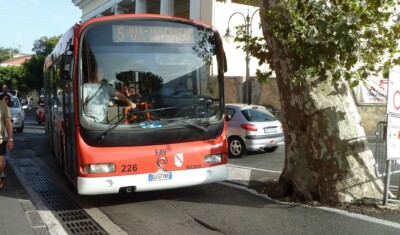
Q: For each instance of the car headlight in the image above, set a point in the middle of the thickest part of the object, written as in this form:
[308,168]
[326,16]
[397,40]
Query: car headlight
[17,115]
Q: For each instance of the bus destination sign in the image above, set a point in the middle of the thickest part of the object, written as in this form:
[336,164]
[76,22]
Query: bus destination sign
[152,34]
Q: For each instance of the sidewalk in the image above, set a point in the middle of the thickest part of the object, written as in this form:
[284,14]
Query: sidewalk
[17,213]
[250,178]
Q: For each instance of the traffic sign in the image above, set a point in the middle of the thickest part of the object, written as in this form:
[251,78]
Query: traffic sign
[393,97]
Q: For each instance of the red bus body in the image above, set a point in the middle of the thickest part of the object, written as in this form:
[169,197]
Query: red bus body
[170,140]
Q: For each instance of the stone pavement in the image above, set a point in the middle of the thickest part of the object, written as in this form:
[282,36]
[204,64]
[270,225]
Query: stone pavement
[17,213]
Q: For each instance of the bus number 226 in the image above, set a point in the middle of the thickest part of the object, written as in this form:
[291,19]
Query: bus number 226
[129,168]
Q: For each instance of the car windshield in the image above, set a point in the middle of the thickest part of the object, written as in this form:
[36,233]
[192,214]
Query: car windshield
[165,68]
[15,102]
[257,115]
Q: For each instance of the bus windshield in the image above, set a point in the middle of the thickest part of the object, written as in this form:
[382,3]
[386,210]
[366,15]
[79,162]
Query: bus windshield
[165,68]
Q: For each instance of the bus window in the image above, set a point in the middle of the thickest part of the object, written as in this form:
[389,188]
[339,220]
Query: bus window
[171,75]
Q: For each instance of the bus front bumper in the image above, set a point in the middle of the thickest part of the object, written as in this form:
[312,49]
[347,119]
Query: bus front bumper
[147,182]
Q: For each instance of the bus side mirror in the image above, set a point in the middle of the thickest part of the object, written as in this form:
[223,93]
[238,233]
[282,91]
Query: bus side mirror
[64,75]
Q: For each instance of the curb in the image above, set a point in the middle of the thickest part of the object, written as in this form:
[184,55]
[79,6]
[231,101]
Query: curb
[247,176]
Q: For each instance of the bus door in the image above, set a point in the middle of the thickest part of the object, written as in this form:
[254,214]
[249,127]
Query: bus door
[69,160]
[52,101]
[69,142]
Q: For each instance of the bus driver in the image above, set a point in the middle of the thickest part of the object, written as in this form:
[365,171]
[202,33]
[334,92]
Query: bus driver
[96,95]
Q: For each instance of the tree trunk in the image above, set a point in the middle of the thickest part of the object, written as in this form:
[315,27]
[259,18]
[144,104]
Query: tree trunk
[327,155]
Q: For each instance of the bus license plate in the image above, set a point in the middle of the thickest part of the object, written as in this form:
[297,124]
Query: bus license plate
[160,176]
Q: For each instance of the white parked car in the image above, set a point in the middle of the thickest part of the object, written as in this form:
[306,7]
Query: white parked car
[18,114]
[252,128]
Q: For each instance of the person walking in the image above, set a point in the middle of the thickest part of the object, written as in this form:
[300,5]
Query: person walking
[5,124]
[6,98]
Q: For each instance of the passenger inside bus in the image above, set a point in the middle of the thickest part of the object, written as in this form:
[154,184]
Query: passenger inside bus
[133,94]
[96,96]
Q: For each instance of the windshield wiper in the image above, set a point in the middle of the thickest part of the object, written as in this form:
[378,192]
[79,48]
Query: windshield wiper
[190,124]
[130,114]
[182,122]
[202,128]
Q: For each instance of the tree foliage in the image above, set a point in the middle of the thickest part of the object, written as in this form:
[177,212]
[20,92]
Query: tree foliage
[28,76]
[6,53]
[45,45]
[334,39]
[12,76]
[34,73]
[34,67]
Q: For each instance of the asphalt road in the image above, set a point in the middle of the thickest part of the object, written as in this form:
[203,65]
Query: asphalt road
[272,162]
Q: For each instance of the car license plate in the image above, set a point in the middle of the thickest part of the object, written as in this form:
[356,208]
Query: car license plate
[270,130]
[160,176]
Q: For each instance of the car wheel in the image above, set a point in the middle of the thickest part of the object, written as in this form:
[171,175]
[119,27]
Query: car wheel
[236,147]
[271,149]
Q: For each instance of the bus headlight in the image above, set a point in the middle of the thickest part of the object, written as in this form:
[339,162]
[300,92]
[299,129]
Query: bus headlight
[99,168]
[213,158]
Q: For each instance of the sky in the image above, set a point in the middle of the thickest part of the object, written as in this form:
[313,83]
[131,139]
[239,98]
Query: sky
[24,21]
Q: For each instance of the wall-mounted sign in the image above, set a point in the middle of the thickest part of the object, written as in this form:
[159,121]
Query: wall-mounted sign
[371,91]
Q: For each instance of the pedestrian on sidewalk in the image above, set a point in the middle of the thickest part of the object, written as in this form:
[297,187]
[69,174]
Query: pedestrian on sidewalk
[6,90]
[5,124]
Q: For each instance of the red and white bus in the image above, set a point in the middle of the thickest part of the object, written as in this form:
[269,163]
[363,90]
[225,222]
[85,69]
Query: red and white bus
[175,137]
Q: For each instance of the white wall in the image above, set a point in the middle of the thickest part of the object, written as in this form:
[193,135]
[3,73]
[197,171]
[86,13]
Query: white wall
[236,57]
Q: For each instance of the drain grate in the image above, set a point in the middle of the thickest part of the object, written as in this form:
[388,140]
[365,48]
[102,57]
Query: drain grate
[74,219]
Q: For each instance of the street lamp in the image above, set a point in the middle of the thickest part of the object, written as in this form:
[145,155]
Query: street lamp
[228,37]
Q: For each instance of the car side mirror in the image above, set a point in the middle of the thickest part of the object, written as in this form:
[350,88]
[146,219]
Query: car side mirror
[228,117]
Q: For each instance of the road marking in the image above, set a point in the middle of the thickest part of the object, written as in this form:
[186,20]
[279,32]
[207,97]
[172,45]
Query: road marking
[251,168]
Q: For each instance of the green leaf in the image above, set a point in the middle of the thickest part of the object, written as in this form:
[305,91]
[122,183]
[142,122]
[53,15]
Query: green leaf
[354,83]
[352,20]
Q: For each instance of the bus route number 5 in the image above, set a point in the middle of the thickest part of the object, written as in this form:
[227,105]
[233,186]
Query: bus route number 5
[121,35]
